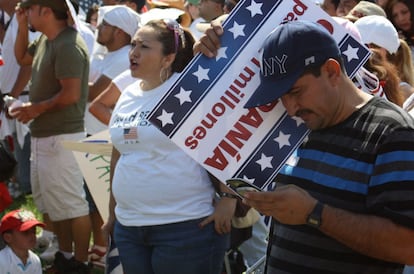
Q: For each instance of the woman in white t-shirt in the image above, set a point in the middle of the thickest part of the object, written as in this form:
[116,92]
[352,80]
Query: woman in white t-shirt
[161,208]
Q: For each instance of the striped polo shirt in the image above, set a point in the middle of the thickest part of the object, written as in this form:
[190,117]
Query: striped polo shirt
[364,164]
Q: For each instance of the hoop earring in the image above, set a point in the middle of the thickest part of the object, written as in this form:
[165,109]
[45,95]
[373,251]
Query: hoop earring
[164,75]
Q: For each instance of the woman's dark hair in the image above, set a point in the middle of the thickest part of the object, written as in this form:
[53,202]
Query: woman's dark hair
[408,35]
[91,11]
[174,40]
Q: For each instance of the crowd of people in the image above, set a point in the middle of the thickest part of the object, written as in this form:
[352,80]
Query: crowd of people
[74,68]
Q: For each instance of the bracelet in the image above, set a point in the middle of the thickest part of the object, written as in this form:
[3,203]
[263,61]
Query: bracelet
[228,195]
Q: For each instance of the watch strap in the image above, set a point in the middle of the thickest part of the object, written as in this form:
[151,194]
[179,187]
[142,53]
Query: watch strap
[315,217]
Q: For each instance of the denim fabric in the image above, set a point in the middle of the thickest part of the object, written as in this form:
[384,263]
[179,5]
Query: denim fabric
[172,248]
[23,167]
[89,198]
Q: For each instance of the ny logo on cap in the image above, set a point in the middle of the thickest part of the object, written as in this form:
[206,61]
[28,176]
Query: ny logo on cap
[269,65]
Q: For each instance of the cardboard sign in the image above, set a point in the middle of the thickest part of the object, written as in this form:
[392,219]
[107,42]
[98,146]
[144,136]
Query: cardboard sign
[95,170]
[99,144]
[93,155]
[203,111]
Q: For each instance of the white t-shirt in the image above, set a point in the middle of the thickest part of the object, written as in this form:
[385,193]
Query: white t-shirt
[11,264]
[110,64]
[88,36]
[8,77]
[113,64]
[154,181]
[123,80]
[10,69]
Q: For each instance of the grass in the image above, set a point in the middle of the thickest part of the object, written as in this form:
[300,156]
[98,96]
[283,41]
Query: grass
[26,202]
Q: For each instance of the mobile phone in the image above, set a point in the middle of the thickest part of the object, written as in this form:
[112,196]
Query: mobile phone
[241,186]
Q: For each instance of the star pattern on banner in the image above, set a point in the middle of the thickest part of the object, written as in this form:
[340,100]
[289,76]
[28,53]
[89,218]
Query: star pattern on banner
[298,120]
[184,96]
[166,118]
[354,54]
[221,53]
[201,74]
[265,162]
[282,140]
[255,8]
[268,156]
[250,180]
[237,30]
[351,53]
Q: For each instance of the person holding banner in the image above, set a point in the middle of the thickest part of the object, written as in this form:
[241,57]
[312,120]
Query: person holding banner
[161,211]
[343,203]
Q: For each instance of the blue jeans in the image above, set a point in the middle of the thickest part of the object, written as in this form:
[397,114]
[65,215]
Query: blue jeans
[172,248]
[23,163]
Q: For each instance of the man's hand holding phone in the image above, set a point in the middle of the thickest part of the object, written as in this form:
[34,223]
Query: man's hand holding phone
[241,186]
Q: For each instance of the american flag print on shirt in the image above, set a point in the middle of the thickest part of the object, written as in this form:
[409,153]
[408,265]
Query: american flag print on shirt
[130,133]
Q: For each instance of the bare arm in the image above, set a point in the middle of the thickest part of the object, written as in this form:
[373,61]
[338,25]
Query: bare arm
[114,160]
[22,39]
[371,235]
[367,234]
[68,95]
[224,209]
[102,105]
[98,87]
[23,78]
[109,224]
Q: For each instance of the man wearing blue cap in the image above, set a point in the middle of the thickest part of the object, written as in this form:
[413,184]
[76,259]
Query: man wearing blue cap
[346,205]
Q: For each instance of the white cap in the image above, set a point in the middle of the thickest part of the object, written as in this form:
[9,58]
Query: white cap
[157,13]
[120,16]
[380,31]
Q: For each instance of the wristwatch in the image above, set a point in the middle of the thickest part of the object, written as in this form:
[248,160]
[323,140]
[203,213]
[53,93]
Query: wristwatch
[315,217]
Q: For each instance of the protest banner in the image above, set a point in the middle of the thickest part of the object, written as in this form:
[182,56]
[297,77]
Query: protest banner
[98,143]
[95,170]
[203,110]
[93,155]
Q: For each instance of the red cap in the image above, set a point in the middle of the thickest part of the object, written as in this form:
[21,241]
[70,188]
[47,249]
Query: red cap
[20,220]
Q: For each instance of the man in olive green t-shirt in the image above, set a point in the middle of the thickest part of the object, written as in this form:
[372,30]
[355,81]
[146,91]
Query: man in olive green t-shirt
[57,93]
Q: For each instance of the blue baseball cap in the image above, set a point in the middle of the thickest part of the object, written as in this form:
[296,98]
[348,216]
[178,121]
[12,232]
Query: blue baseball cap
[287,51]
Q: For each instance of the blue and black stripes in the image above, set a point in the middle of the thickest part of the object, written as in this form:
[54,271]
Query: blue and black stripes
[365,165]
